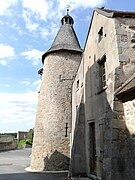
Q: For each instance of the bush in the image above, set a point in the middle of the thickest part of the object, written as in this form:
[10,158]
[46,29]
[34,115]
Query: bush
[22,143]
[28,141]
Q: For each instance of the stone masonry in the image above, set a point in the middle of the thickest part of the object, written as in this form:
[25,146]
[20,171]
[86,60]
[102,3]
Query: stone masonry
[7,143]
[109,109]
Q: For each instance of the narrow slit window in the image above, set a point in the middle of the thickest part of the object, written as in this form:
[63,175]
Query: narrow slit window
[92,144]
[102,72]
[77,85]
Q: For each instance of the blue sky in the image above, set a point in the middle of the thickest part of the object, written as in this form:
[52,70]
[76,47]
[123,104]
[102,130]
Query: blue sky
[27,29]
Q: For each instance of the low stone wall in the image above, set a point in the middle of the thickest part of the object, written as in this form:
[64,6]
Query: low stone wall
[7,143]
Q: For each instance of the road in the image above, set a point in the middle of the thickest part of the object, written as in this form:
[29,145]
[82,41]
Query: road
[13,164]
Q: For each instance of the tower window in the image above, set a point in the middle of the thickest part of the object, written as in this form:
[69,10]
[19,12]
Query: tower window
[100,34]
[66,20]
[70,22]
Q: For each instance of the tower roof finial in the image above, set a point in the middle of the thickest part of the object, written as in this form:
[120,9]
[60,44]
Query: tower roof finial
[68,6]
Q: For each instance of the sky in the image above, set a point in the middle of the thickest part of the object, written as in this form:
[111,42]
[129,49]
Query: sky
[27,30]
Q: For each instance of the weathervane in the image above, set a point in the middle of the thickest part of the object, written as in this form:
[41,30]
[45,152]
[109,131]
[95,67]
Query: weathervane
[68,6]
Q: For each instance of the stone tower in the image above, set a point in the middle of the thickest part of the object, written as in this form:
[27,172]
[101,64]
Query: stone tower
[51,146]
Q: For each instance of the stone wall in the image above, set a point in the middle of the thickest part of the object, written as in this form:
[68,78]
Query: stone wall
[78,153]
[98,101]
[112,157]
[123,142]
[7,143]
[129,113]
[125,36]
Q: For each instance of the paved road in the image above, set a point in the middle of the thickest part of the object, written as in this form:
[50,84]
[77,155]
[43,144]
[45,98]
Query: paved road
[13,164]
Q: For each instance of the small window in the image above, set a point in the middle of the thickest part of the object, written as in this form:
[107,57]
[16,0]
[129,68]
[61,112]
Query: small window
[102,72]
[77,85]
[100,34]
[76,108]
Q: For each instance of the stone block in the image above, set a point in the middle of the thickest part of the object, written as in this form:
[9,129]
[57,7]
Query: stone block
[107,134]
[121,31]
[132,174]
[115,165]
[120,50]
[124,58]
[115,123]
[115,176]
[107,150]
[115,149]
[125,176]
[107,165]
[115,133]
[121,163]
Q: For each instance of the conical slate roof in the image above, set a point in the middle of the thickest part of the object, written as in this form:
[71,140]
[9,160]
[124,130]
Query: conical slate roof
[66,38]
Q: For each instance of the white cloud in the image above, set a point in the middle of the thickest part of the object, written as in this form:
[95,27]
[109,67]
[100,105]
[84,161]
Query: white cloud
[29,24]
[38,8]
[17,109]
[33,55]
[4,85]
[35,13]
[49,32]
[37,84]
[5,5]
[44,9]
[28,98]
[79,3]
[44,33]
[6,53]
[3,62]
[25,82]
[31,85]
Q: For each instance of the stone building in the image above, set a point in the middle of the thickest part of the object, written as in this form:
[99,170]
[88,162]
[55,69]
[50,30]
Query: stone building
[22,135]
[104,98]
[101,130]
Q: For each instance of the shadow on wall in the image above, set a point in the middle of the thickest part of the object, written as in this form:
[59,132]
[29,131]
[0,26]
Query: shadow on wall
[110,146]
[78,155]
[56,162]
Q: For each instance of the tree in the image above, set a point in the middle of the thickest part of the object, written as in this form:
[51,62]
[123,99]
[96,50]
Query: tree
[31,134]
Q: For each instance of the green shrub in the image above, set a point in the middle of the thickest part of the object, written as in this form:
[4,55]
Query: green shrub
[28,141]
[22,143]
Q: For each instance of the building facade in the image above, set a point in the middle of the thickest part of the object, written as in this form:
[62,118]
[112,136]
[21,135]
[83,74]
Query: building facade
[108,80]
[101,129]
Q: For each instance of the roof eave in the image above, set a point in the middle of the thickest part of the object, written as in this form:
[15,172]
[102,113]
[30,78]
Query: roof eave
[56,50]
[114,13]
[104,13]
[129,82]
